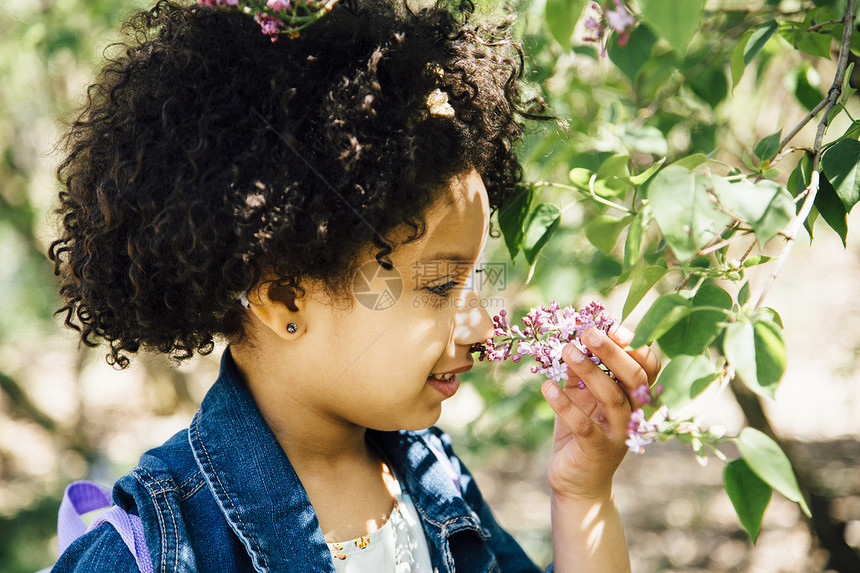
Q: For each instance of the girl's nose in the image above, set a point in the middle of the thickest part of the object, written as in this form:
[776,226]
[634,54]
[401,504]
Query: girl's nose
[473,322]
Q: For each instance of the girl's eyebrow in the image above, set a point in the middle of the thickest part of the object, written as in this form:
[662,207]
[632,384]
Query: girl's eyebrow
[451,256]
[457,256]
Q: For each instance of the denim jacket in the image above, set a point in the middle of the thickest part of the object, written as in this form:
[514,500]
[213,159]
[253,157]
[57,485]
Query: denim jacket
[222,496]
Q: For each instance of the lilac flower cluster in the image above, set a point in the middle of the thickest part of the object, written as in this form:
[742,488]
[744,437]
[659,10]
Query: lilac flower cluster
[618,19]
[640,432]
[277,17]
[547,329]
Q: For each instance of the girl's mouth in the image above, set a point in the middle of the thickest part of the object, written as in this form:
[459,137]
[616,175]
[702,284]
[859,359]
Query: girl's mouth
[446,384]
[443,377]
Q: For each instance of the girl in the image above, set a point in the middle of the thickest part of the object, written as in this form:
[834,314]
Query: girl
[222,182]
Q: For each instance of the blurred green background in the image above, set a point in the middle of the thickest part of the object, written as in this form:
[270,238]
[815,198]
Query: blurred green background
[66,415]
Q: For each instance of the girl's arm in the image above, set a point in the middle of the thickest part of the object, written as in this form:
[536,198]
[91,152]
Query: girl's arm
[588,446]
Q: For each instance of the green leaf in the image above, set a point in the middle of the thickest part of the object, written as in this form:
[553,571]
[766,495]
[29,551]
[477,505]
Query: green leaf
[806,89]
[797,183]
[612,177]
[663,314]
[633,242]
[744,294]
[673,20]
[769,352]
[630,57]
[710,85]
[767,313]
[814,44]
[737,63]
[841,164]
[684,211]
[831,208]
[512,217]
[580,177]
[683,378]
[757,352]
[645,138]
[756,260]
[693,333]
[642,178]
[768,461]
[691,161]
[748,48]
[765,205]
[603,231]
[642,282]
[561,17]
[749,494]
[767,147]
[540,226]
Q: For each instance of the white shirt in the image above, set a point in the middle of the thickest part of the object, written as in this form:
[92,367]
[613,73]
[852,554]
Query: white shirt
[399,546]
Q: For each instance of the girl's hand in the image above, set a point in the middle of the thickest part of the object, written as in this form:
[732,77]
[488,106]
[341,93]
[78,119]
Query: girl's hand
[591,423]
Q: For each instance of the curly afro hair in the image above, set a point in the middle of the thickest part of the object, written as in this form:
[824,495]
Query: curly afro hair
[208,158]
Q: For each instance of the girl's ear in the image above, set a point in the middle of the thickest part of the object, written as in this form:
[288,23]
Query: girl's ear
[279,309]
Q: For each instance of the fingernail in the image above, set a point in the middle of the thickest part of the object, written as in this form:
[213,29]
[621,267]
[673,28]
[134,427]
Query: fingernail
[594,337]
[550,389]
[574,354]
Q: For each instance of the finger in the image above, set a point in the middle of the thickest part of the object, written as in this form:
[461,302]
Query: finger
[644,355]
[627,370]
[586,432]
[615,404]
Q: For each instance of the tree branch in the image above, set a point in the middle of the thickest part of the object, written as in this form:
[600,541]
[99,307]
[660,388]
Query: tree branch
[812,189]
[803,122]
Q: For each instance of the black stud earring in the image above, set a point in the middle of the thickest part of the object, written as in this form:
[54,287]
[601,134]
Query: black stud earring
[291,327]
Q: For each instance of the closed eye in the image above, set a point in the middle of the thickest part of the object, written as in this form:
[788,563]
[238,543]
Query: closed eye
[443,289]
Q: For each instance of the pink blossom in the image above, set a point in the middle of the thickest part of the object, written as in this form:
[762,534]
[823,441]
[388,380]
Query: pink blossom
[645,395]
[639,431]
[278,4]
[269,25]
[620,19]
[617,19]
[547,330]
[635,443]
[557,371]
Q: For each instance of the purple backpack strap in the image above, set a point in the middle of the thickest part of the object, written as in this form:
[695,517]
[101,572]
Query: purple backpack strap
[82,497]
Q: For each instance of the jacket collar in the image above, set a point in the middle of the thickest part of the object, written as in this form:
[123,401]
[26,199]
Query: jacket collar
[263,499]
[252,481]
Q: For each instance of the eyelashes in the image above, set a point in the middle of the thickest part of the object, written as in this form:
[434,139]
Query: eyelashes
[442,289]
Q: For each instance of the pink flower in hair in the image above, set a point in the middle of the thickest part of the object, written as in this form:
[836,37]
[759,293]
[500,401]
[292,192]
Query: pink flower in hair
[269,25]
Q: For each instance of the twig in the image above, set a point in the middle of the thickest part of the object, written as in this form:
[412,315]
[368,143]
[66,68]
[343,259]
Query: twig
[684,281]
[594,196]
[782,154]
[816,27]
[812,189]
[721,244]
[803,122]
[747,252]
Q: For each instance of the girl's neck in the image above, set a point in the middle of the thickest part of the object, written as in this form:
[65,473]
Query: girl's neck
[310,440]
